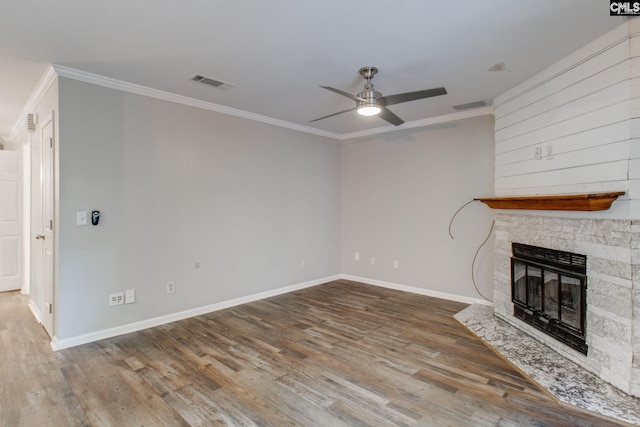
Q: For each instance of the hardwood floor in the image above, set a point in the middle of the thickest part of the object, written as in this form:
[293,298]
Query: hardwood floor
[338,354]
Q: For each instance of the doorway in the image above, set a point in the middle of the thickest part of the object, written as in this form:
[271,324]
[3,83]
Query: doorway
[10,221]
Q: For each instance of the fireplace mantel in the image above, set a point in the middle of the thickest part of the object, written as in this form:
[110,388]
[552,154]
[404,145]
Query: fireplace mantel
[565,202]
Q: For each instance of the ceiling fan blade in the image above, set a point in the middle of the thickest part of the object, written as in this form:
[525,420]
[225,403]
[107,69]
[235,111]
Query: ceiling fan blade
[331,115]
[348,95]
[387,115]
[412,96]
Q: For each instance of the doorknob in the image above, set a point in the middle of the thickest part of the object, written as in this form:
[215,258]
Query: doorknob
[40,236]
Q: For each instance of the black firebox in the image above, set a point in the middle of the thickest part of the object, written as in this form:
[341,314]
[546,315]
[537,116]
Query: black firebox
[549,292]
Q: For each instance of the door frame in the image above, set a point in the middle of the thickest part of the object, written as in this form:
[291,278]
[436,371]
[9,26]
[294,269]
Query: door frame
[49,226]
[26,215]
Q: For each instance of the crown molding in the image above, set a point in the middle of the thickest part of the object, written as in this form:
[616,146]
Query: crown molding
[482,111]
[108,82]
[34,99]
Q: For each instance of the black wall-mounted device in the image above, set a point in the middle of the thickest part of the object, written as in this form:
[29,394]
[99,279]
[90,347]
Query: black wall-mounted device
[95,217]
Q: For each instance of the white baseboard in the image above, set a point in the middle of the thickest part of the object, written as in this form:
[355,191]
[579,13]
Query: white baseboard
[157,321]
[414,290]
[35,311]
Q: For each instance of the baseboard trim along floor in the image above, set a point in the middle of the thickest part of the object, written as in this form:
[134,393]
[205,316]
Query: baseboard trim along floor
[415,290]
[157,321]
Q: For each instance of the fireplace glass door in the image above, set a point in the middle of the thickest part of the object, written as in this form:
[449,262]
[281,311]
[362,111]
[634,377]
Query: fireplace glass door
[571,301]
[550,296]
[553,294]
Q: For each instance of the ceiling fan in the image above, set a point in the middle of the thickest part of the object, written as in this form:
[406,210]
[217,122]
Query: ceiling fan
[370,102]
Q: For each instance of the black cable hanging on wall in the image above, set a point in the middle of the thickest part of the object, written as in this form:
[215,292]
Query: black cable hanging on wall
[473,263]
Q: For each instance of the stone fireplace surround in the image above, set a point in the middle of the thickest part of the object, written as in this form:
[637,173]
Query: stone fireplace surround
[612,247]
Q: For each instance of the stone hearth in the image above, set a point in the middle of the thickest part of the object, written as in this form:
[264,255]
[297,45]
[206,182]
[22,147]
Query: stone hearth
[562,378]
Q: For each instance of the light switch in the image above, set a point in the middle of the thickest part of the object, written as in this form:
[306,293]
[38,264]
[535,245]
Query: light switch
[81,218]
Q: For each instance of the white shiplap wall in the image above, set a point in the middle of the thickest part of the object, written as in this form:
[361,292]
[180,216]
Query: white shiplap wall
[583,108]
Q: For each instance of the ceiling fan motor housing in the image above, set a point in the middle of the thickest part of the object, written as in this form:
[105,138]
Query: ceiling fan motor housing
[370,96]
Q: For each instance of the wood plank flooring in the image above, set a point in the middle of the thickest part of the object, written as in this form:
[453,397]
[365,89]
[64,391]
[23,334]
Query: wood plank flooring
[342,353]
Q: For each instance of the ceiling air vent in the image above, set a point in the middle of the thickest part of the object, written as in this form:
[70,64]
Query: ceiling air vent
[211,82]
[468,106]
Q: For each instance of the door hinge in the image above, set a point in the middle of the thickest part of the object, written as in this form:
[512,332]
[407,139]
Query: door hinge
[51,224]
[50,308]
[51,142]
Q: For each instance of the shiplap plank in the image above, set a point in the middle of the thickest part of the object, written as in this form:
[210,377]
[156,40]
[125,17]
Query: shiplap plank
[611,65]
[634,97]
[634,151]
[606,42]
[634,68]
[614,171]
[604,135]
[634,100]
[603,154]
[591,102]
[634,107]
[634,45]
[634,26]
[591,187]
[634,169]
[593,120]
[634,191]
[634,128]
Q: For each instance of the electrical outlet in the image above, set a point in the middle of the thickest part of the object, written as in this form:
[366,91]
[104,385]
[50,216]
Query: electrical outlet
[171,287]
[395,263]
[549,152]
[538,153]
[373,261]
[196,266]
[356,256]
[130,296]
[304,263]
[116,299]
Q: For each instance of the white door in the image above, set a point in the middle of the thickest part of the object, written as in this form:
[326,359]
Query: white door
[46,237]
[10,221]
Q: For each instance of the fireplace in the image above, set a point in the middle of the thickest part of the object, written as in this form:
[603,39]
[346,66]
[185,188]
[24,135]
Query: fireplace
[609,318]
[548,290]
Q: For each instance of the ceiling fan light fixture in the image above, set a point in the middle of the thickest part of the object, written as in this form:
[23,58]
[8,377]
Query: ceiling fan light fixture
[370,102]
[369,109]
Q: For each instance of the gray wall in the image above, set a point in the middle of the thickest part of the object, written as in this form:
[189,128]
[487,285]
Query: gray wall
[399,192]
[178,185]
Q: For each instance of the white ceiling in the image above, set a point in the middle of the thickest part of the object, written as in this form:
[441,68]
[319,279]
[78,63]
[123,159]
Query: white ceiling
[277,52]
